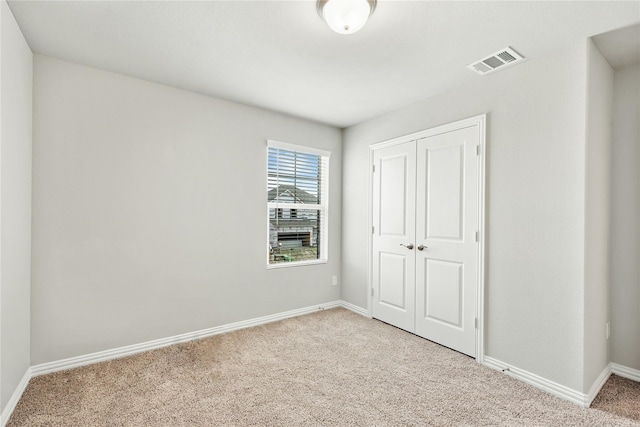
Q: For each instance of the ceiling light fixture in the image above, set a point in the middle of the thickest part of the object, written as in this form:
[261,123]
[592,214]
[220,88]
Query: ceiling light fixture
[345,16]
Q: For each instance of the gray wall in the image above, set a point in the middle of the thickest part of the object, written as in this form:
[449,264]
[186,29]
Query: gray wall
[535,206]
[149,212]
[15,204]
[596,294]
[625,219]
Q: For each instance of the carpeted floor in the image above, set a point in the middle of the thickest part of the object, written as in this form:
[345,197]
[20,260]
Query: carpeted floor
[620,396]
[331,368]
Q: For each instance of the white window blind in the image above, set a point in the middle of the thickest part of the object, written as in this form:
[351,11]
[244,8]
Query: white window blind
[297,203]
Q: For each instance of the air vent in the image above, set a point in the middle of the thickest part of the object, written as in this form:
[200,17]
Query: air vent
[497,61]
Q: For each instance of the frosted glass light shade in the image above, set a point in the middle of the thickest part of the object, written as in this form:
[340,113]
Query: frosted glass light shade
[346,16]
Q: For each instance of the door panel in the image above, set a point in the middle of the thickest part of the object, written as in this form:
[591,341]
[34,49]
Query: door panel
[447,212]
[393,280]
[443,293]
[393,197]
[444,192]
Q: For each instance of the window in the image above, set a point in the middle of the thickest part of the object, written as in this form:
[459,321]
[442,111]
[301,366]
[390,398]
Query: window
[297,200]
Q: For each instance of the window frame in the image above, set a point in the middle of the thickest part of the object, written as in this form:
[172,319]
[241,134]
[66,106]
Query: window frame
[322,207]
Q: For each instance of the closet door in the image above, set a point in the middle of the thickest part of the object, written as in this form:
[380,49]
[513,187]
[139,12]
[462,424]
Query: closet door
[393,275]
[447,251]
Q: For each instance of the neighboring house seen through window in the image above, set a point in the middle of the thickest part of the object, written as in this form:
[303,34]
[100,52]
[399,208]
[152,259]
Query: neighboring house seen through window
[297,200]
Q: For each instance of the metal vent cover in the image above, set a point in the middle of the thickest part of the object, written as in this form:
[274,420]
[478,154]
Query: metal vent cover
[496,61]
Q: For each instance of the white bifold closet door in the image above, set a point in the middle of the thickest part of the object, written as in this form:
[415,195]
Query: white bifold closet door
[425,237]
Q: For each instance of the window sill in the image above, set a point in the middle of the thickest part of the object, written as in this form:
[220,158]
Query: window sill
[295,264]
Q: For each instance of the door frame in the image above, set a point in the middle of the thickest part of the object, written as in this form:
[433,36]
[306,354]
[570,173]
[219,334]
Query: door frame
[480,122]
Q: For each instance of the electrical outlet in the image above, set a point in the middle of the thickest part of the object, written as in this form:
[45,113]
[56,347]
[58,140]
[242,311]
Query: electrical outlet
[334,280]
[608,329]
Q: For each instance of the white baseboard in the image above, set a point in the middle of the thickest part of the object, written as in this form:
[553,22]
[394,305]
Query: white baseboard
[623,371]
[554,388]
[116,353]
[559,390]
[15,397]
[359,310]
[326,306]
[597,385]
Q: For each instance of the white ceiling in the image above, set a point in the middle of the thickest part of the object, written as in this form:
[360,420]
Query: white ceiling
[280,55]
[620,47]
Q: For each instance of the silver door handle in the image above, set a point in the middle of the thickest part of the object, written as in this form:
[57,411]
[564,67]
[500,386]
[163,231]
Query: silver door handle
[422,247]
[409,246]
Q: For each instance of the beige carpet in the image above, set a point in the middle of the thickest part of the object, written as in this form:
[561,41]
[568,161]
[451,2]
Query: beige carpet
[620,396]
[331,368]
